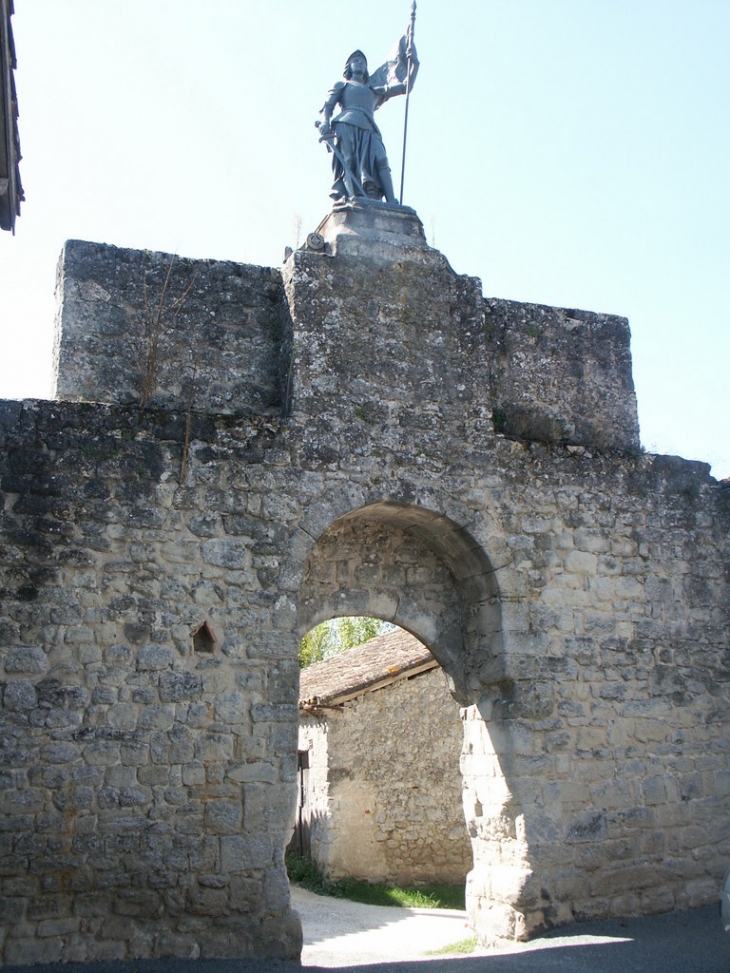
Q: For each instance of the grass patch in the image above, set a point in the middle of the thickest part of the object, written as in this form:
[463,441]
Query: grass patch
[305,872]
[462,948]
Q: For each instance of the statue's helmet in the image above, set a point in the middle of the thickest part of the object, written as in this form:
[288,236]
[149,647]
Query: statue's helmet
[347,72]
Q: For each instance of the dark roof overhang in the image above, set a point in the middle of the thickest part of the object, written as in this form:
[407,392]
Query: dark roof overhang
[11,189]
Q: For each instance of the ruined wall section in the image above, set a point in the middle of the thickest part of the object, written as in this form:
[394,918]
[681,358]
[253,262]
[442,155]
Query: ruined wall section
[168,331]
[145,780]
[612,570]
[437,365]
[141,326]
[595,743]
[560,375]
[603,741]
[394,809]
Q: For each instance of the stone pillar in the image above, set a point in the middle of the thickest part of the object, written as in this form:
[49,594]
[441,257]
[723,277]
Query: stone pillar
[498,892]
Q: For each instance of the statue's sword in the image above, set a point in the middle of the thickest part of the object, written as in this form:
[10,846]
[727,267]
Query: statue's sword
[352,183]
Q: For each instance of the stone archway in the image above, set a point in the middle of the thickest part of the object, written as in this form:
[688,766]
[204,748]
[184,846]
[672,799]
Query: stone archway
[428,575]
[417,569]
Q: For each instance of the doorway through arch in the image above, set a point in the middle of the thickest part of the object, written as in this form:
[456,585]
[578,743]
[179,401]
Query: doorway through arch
[422,571]
[379,786]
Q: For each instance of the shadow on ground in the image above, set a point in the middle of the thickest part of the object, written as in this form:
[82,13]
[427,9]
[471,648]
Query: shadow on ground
[689,942]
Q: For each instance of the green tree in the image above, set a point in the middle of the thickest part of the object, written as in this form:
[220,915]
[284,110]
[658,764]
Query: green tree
[338,634]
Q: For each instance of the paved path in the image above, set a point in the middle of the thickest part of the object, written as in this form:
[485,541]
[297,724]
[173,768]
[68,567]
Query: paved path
[348,935]
[342,933]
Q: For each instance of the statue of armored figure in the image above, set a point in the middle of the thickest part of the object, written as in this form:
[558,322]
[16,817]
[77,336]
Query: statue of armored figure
[359,161]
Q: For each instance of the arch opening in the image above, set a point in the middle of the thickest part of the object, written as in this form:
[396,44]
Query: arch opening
[378,779]
[419,570]
[428,575]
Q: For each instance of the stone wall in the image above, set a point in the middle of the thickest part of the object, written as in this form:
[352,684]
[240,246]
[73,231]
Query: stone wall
[163,330]
[385,785]
[603,741]
[146,780]
[578,604]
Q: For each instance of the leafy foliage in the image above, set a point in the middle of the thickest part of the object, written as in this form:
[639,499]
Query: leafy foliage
[305,872]
[337,635]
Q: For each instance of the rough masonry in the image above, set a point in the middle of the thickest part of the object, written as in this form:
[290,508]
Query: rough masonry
[237,454]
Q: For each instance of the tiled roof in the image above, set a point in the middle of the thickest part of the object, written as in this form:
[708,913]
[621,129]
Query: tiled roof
[11,190]
[377,663]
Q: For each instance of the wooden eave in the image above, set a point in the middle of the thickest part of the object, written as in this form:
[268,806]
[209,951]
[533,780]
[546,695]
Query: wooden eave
[377,663]
[337,701]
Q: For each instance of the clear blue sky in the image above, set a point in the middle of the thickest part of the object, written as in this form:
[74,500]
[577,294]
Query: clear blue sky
[568,152]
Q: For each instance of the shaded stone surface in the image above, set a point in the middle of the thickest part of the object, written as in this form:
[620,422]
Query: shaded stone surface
[561,375]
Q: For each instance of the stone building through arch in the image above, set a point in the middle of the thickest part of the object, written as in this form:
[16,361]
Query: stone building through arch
[379,784]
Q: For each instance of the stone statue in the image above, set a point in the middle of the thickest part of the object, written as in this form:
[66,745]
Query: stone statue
[359,160]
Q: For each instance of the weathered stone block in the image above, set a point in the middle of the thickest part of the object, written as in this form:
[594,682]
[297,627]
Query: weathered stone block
[154,657]
[137,902]
[19,696]
[209,902]
[26,952]
[22,659]
[240,853]
[223,817]
[232,708]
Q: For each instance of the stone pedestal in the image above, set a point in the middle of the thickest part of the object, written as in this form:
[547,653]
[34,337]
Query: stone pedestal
[369,229]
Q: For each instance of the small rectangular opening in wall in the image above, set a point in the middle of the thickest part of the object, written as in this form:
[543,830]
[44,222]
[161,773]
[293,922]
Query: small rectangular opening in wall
[204,639]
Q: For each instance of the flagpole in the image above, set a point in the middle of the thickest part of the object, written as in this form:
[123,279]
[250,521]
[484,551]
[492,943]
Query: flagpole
[408,96]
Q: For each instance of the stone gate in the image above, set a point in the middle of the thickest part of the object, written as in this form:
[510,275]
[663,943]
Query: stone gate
[236,454]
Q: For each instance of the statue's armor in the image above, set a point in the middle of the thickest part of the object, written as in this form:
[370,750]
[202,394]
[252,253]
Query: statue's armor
[359,163]
[357,101]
